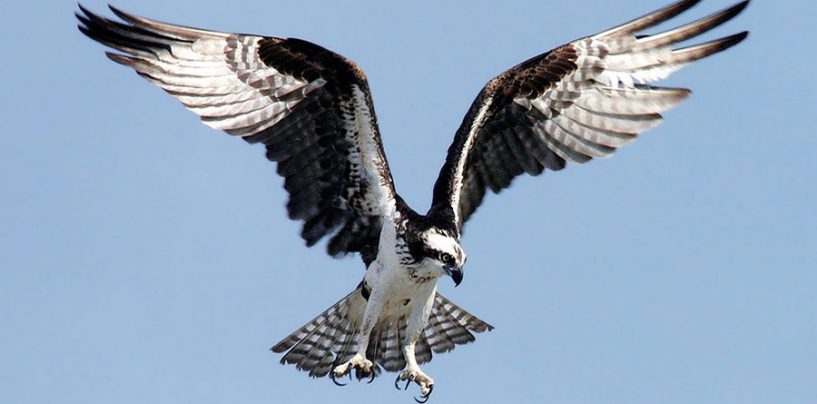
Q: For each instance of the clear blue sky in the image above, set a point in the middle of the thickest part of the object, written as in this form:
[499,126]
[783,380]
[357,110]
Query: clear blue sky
[145,258]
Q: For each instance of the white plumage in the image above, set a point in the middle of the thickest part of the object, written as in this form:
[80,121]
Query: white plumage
[312,110]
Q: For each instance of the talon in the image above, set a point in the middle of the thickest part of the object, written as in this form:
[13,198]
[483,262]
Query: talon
[362,367]
[334,380]
[362,374]
[424,398]
[408,381]
[397,380]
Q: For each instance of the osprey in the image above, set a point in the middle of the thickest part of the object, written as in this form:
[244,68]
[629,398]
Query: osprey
[313,111]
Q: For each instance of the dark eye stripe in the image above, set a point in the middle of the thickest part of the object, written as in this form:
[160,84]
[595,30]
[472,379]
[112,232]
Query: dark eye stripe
[438,254]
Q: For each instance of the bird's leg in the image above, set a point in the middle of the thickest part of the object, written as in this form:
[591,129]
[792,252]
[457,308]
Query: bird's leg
[414,328]
[358,360]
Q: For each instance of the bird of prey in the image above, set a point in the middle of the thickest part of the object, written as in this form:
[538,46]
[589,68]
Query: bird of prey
[312,110]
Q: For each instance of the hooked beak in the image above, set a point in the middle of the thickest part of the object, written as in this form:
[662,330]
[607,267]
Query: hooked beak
[455,272]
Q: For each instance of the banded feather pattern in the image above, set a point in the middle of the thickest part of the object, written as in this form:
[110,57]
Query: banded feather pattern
[331,337]
[575,103]
[312,110]
[310,107]
[327,340]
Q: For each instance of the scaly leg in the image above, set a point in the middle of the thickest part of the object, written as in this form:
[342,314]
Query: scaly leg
[414,328]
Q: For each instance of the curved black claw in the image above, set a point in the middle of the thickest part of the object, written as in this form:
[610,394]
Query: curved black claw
[408,381]
[361,374]
[334,380]
[424,398]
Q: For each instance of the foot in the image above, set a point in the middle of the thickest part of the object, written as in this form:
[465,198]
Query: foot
[357,362]
[416,375]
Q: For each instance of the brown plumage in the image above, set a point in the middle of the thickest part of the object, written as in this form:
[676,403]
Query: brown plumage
[577,102]
[295,97]
[313,111]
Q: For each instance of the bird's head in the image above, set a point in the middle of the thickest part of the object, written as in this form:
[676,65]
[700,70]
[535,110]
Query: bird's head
[440,252]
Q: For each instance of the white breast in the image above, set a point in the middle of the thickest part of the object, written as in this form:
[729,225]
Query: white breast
[395,282]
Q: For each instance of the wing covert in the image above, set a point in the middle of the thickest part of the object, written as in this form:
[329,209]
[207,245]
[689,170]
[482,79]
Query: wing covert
[310,107]
[577,102]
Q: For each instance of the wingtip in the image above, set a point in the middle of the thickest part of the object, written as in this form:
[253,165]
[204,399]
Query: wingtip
[700,51]
[118,58]
[84,29]
[83,14]
[683,5]
[735,39]
[736,8]
[651,19]
[121,14]
[82,8]
[683,93]
[740,37]
[90,18]
[82,18]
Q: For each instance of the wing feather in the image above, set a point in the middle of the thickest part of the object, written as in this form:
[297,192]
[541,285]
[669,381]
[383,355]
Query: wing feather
[310,107]
[575,103]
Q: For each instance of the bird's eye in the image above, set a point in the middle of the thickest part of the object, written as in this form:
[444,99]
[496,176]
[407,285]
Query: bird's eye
[447,258]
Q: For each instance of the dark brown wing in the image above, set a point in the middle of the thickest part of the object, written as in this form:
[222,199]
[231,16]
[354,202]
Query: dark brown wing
[574,103]
[309,106]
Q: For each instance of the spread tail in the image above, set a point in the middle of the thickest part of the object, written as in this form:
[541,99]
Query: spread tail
[330,339]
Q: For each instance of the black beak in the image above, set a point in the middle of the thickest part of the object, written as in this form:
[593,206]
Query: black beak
[456,273]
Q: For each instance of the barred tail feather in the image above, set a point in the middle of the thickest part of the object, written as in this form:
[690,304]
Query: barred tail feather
[448,326]
[328,340]
[331,338]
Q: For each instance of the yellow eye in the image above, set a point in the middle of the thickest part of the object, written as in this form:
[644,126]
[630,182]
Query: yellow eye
[447,258]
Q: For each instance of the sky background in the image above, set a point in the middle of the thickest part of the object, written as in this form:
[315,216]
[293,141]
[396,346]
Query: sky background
[145,258]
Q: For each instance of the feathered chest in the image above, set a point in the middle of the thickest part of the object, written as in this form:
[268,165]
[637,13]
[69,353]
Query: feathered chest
[397,261]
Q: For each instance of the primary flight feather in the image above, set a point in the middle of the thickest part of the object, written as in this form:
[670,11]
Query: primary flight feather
[313,111]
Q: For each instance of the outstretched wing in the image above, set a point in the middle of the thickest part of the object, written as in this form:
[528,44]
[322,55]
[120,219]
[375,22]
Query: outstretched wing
[309,106]
[574,103]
